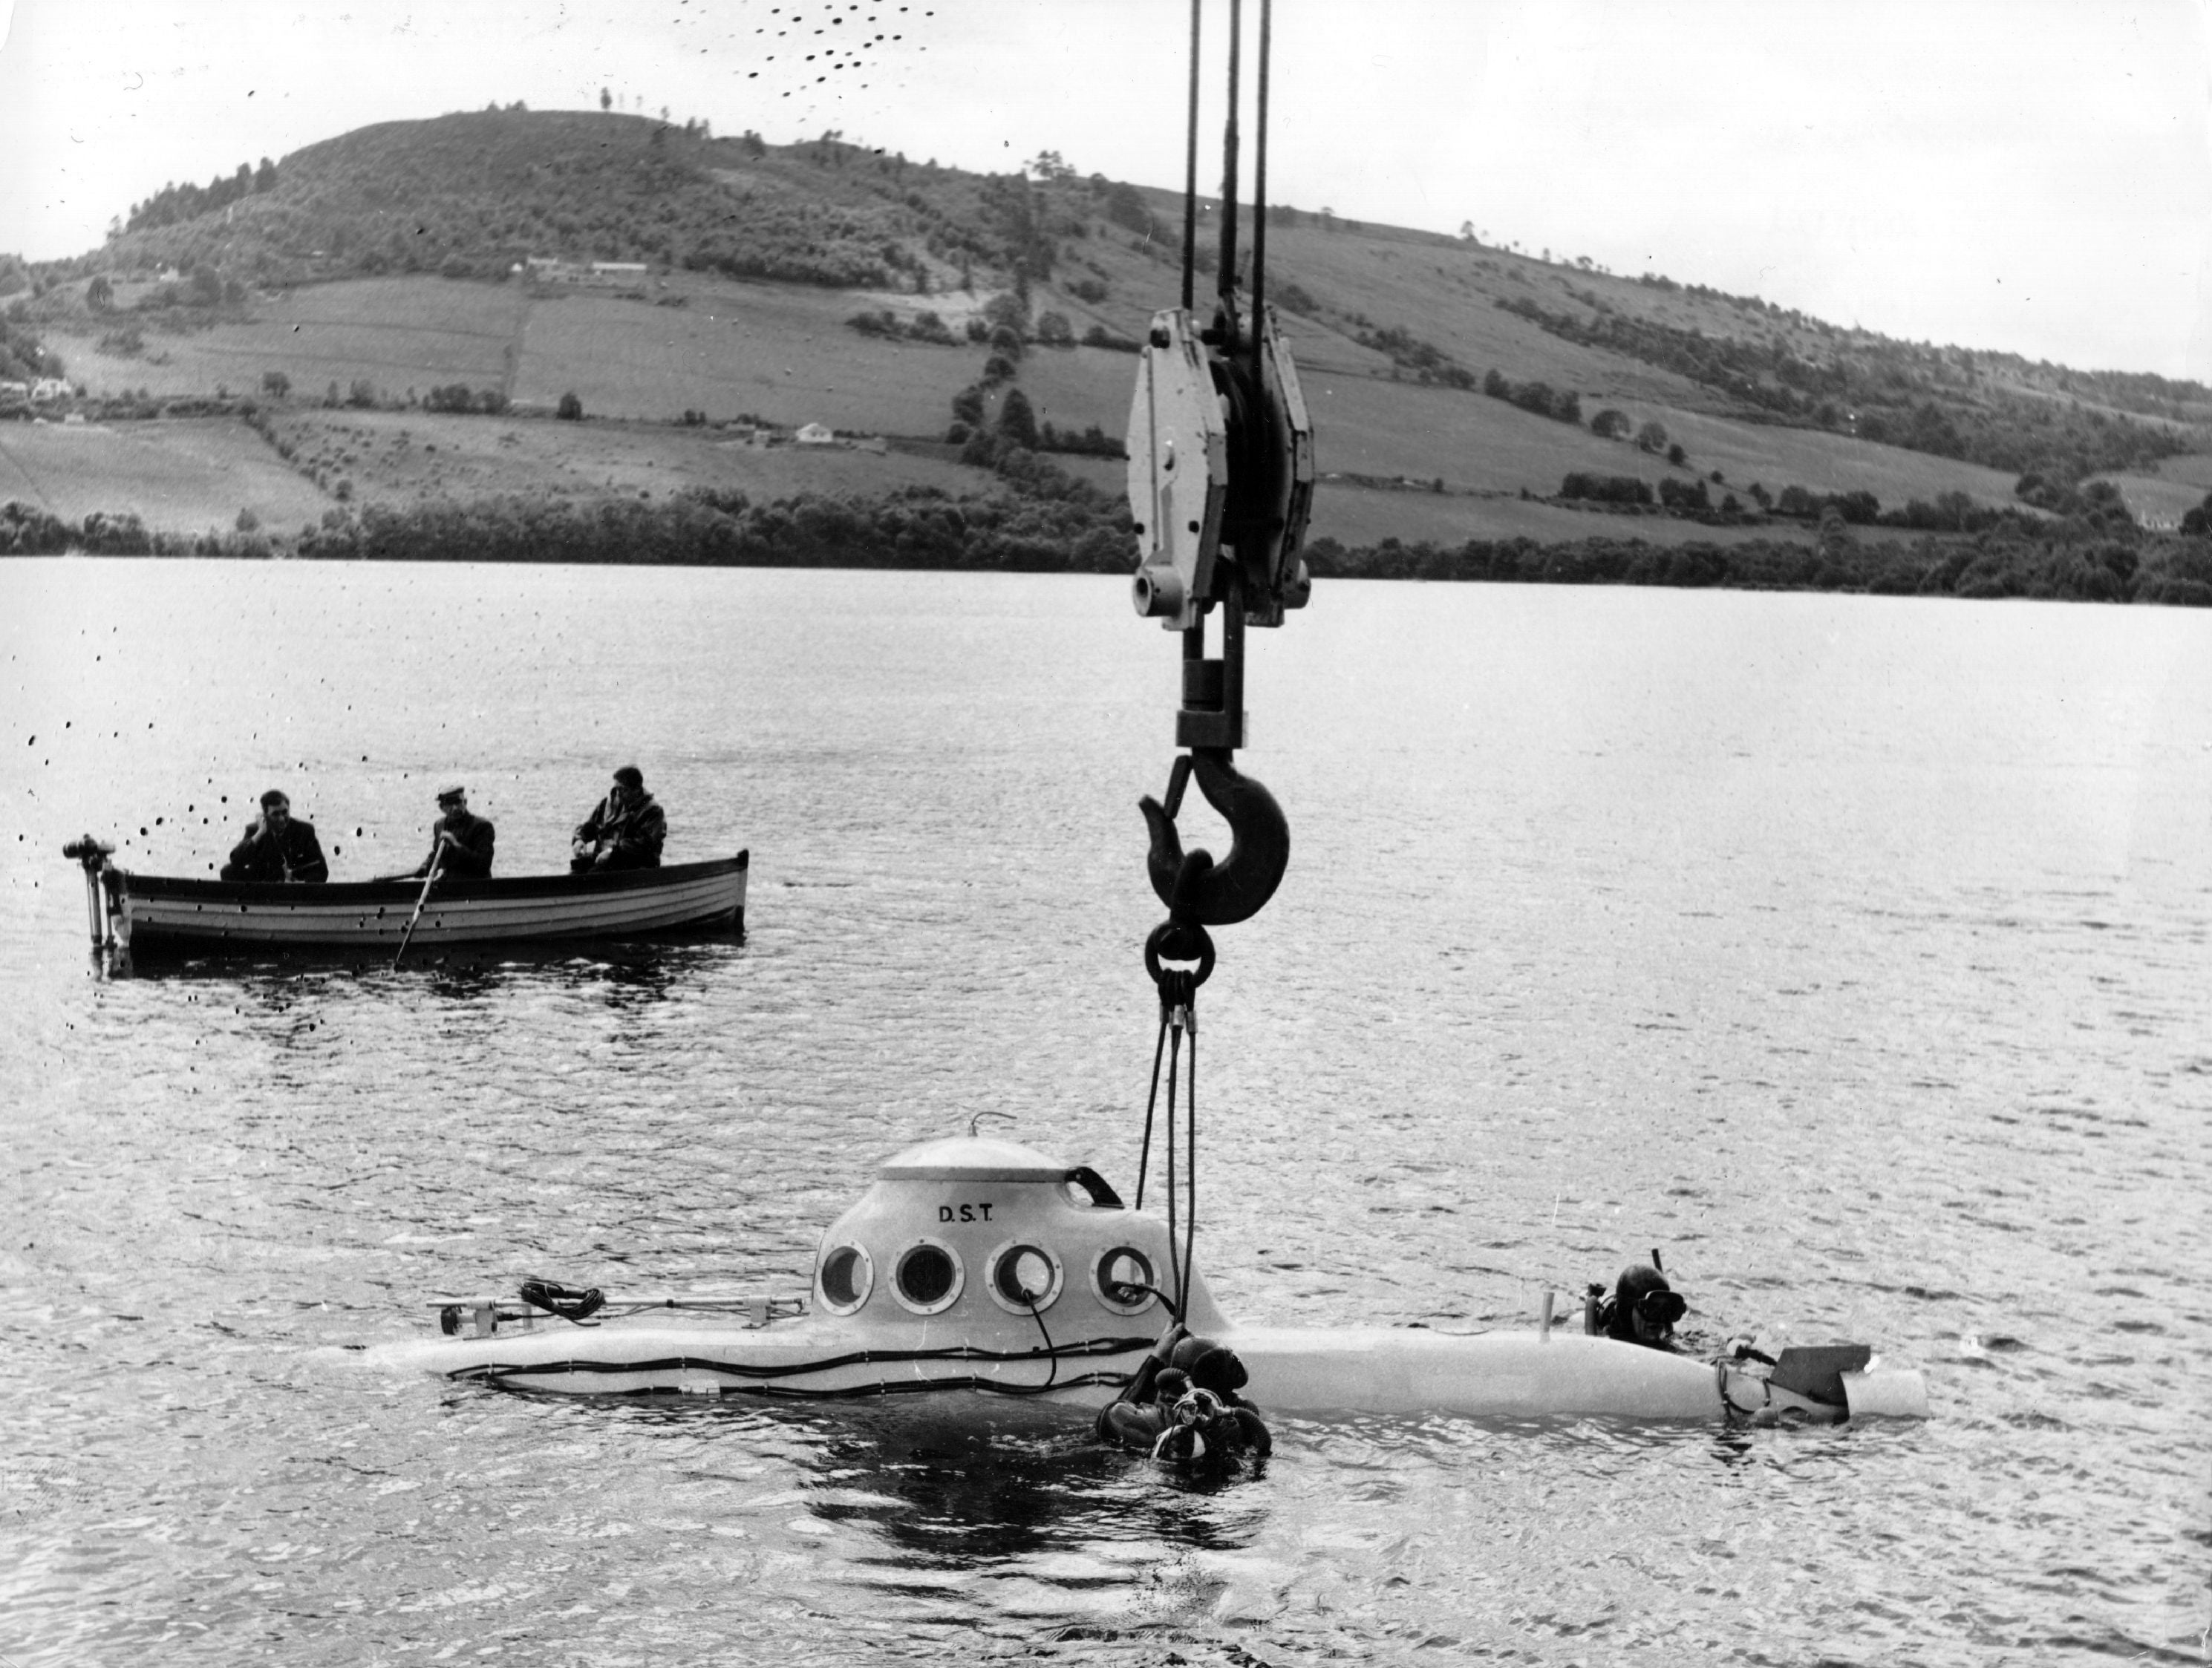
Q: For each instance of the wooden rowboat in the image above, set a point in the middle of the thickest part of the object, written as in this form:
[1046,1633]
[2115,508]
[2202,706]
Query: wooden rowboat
[142,915]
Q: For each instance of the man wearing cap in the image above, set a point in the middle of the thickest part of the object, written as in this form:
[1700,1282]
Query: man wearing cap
[1643,1308]
[465,840]
[277,848]
[625,830]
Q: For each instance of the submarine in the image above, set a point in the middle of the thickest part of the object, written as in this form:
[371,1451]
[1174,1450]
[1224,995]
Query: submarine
[975,1263]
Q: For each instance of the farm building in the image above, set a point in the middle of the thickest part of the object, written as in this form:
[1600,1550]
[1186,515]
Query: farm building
[549,269]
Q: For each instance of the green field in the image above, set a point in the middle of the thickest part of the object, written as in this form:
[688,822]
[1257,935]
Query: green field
[784,352]
[2193,470]
[394,333]
[401,457]
[1356,515]
[185,475]
[2157,500]
[1367,309]
[778,351]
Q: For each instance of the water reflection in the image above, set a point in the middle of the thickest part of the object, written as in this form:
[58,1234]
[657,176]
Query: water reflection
[626,975]
[973,1483]
[632,984]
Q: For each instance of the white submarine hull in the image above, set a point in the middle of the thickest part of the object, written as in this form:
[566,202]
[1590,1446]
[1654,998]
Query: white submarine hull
[981,1265]
[1391,1371]
[1295,1370]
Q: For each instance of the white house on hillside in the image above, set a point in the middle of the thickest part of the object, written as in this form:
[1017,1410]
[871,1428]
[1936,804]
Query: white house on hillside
[814,433]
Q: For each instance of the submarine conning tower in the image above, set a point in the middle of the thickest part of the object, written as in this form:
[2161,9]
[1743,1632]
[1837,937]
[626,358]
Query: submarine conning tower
[982,1236]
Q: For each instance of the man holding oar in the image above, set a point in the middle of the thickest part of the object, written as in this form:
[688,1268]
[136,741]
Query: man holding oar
[460,844]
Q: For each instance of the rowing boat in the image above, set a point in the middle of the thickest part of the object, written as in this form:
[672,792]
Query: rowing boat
[143,915]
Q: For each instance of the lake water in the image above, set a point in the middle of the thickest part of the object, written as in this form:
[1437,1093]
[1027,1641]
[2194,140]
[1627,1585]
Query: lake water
[1857,952]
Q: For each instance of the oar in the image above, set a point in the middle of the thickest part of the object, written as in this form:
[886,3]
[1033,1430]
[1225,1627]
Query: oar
[429,881]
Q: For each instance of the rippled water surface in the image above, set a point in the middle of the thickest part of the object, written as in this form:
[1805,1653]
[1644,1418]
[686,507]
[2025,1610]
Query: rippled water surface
[1854,951]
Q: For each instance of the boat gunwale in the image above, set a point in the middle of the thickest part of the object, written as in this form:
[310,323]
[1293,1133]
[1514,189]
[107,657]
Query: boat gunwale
[288,896]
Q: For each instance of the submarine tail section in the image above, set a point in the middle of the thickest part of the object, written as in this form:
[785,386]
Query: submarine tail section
[1503,1375]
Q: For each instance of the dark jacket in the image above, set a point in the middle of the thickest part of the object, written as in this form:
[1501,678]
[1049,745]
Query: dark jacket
[472,860]
[294,855]
[633,831]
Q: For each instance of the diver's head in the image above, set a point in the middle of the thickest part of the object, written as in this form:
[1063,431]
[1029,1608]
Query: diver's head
[1649,1305]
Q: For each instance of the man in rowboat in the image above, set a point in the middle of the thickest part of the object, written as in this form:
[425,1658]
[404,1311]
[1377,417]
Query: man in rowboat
[277,848]
[625,830]
[465,840]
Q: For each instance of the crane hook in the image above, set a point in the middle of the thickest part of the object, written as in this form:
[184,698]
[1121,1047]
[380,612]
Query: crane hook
[1238,887]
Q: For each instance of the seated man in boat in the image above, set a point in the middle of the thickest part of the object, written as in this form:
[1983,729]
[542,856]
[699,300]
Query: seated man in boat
[1643,1308]
[465,840]
[278,848]
[625,830]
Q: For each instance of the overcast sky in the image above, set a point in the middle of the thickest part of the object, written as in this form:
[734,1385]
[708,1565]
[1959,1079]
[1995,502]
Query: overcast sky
[2000,173]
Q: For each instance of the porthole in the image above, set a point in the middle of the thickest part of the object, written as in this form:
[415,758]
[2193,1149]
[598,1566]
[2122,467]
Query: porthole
[928,1277]
[1113,1275]
[1021,1276]
[848,1275]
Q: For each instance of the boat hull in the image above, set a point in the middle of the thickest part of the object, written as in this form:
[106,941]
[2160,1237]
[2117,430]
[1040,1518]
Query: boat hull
[157,914]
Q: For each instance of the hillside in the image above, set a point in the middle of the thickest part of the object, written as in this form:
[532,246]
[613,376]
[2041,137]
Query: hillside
[1459,392]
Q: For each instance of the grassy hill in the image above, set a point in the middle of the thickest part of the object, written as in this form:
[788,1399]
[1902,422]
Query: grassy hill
[355,277]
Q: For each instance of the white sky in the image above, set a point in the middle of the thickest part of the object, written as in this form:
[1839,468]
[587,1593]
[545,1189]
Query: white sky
[2022,174]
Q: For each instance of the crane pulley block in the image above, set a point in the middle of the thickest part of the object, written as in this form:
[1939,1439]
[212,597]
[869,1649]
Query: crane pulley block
[1285,482]
[1178,472]
[1221,470]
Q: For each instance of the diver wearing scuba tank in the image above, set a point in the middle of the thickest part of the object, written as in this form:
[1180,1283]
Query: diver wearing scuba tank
[1643,1308]
[1183,1406]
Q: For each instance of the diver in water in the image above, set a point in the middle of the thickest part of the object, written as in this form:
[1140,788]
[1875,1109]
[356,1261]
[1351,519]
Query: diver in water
[1643,1308]
[1183,1406]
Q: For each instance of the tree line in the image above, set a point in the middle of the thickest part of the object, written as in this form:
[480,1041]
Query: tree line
[1887,392]
[2166,570]
[174,203]
[1048,524]
[919,527]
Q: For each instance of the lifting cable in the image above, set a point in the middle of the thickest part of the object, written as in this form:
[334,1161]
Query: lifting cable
[1201,892]
[1178,1014]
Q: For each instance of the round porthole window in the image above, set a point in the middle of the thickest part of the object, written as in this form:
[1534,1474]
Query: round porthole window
[1123,1279]
[1023,1278]
[848,1275]
[928,1276]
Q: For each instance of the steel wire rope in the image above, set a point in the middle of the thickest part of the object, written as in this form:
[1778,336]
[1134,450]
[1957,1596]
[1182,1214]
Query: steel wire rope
[1145,1153]
[1190,1171]
[1175,1273]
[1190,177]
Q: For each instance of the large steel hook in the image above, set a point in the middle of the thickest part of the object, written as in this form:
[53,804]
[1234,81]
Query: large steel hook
[1238,887]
